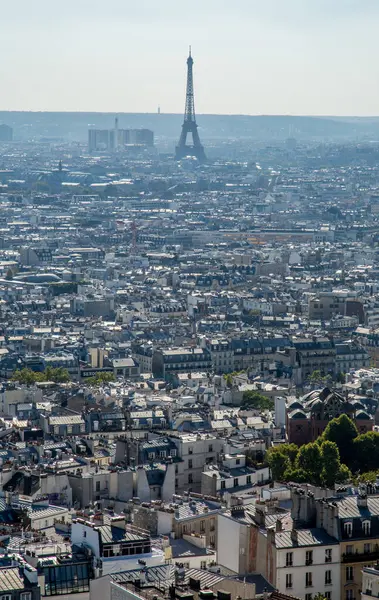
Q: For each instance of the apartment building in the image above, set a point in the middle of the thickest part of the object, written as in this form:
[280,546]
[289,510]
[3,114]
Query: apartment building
[195,451]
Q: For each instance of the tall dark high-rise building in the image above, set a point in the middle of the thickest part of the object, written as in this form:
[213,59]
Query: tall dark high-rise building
[189,124]
[6,133]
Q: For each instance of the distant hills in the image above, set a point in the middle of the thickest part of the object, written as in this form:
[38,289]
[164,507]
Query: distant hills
[74,125]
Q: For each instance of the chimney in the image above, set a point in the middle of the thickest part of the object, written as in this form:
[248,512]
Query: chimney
[294,536]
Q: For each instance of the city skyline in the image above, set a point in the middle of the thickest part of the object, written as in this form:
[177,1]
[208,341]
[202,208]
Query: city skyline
[253,58]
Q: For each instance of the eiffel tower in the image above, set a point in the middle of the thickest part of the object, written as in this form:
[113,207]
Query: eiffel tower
[189,124]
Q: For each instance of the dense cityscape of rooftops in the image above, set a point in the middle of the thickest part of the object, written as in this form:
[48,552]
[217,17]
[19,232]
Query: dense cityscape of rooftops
[189,357]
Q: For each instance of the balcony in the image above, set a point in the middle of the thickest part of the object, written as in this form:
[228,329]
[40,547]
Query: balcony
[355,557]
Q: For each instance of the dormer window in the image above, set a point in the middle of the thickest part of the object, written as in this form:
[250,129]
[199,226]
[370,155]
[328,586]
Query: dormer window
[366,527]
[348,527]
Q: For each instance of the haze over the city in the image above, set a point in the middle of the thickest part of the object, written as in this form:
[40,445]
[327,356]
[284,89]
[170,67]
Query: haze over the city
[251,56]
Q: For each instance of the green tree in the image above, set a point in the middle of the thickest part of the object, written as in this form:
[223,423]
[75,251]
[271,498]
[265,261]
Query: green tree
[319,380]
[100,378]
[309,461]
[29,377]
[344,475]
[366,452]
[341,377]
[343,432]
[281,459]
[331,464]
[254,400]
[279,463]
[56,374]
[369,477]
[297,475]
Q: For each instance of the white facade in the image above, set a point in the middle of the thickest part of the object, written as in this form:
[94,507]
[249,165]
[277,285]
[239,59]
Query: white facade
[195,451]
[229,554]
[370,583]
[310,571]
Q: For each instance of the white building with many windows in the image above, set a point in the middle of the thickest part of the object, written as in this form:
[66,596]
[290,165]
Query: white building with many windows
[307,562]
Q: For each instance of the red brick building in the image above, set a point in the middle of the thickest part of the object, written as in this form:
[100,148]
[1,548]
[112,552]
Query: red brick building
[308,416]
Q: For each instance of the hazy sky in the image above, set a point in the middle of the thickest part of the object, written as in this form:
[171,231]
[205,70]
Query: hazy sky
[251,56]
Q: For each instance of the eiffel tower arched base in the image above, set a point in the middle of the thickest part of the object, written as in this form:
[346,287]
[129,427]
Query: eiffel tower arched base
[197,152]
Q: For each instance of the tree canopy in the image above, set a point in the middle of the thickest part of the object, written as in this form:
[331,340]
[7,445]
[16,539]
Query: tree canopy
[29,377]
[365,452]
[254,400]
[100,378]
[318,464]
[342,430]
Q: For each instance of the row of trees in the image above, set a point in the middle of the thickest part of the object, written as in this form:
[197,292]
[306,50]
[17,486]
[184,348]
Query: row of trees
[332,458]
[29,377]
[315,463]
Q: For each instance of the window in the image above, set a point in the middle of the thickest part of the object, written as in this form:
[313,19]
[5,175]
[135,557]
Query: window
[235,482]
[328,577]
[202,526]
[190,463]
[367,548]
[203,564]
[309,557]
[348,528]
[173,453]
[289,559]
[349,595]
[349,549]
[248,479]
[308,579]
[328,595]
[26,596]
[223,484]
[84,534]
[212,526]
[238,461]
[328,555]
[162,454]
[184,528]
[190,450]
[190,478]
[368,590]
[308,596]
[98,486]
[288,581]
[151,455]
[349,574]
[366,526]
[6,597]
[210,448]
